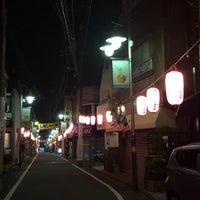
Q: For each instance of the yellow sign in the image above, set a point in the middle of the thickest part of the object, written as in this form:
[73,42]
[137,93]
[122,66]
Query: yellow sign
[44,126]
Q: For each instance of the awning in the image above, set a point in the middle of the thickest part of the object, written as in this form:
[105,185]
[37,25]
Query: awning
[190,105]
[164,117]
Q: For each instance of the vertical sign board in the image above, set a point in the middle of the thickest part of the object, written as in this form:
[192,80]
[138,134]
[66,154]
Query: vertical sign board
[121,73]
[26,114]
[63,126]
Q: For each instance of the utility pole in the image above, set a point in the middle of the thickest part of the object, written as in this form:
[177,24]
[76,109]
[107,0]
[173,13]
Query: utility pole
[71,44]
[133,150]
[2,85]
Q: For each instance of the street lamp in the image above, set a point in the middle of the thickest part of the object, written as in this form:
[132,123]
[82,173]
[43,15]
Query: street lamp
[108,49]
[63,125]
[27,115]
[115,43]
[30,99]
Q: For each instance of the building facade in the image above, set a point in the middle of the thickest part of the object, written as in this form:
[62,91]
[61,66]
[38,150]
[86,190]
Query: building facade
[92,139]
[165,36]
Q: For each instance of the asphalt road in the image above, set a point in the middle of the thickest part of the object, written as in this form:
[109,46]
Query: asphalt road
[50,177]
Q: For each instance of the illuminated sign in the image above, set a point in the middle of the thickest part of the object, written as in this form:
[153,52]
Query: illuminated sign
[44,126]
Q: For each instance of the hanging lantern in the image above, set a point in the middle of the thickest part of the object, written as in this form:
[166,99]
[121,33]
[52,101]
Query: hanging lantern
[174,87]
[123,109]
[92,120]
[27,134]
[109,116]
[141,104]
[81,119]
[153,99]
[99,119]
[87,120]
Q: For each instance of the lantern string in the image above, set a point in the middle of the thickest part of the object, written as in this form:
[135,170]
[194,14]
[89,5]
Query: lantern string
[170,68]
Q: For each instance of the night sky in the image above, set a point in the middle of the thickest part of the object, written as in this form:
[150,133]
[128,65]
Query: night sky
[36,49]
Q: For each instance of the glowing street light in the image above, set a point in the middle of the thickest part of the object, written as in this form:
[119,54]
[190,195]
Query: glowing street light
[30,99]
[116,41]
[108,50]
[114,44]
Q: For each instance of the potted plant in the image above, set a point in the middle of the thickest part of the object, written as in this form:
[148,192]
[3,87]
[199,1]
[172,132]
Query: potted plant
[155,170]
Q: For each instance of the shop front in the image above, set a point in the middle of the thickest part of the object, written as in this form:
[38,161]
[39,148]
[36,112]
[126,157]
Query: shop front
[119,140]
[93,143]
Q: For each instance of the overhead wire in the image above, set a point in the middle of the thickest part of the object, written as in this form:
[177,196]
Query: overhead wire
[67,33]
[68,25]
[87,28]
[170,68]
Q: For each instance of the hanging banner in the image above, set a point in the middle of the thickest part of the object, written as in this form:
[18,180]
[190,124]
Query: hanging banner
[44,126]
[26,114]
[63,126]
[121,73]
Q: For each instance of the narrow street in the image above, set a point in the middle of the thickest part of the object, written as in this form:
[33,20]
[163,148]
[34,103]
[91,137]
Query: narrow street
[50,177]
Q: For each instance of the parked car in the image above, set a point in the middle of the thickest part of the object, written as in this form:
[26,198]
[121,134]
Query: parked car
[183,175]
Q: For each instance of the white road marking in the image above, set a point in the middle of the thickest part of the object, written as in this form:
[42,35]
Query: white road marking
[11,192]
[115,192]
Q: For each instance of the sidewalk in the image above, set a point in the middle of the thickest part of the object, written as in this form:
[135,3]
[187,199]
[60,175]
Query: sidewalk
[150,195]
[10,178]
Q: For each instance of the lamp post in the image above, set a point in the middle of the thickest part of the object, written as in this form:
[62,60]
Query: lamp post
[26,117]
[63,126]
[115,43]
[133,152]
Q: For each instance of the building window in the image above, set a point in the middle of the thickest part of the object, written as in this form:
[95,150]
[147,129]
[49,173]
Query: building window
[87,109]
[142,61]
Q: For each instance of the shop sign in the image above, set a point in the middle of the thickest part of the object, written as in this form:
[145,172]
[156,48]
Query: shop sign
[44,126]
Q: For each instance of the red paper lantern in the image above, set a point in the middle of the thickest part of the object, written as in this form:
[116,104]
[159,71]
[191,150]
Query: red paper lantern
[109,116]
[141,104]
[153,99]
[82,119]
[174,87]
[87,120]
[92,120]
[99,119]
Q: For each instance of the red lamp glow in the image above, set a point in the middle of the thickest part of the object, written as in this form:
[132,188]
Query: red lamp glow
[99,119]
[87,120]
[82,119]
[153,99]
[174,87]
[109,116]
[141,104]
[92,120]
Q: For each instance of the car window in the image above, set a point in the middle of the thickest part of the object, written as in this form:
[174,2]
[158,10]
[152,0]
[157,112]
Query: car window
[187,158]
